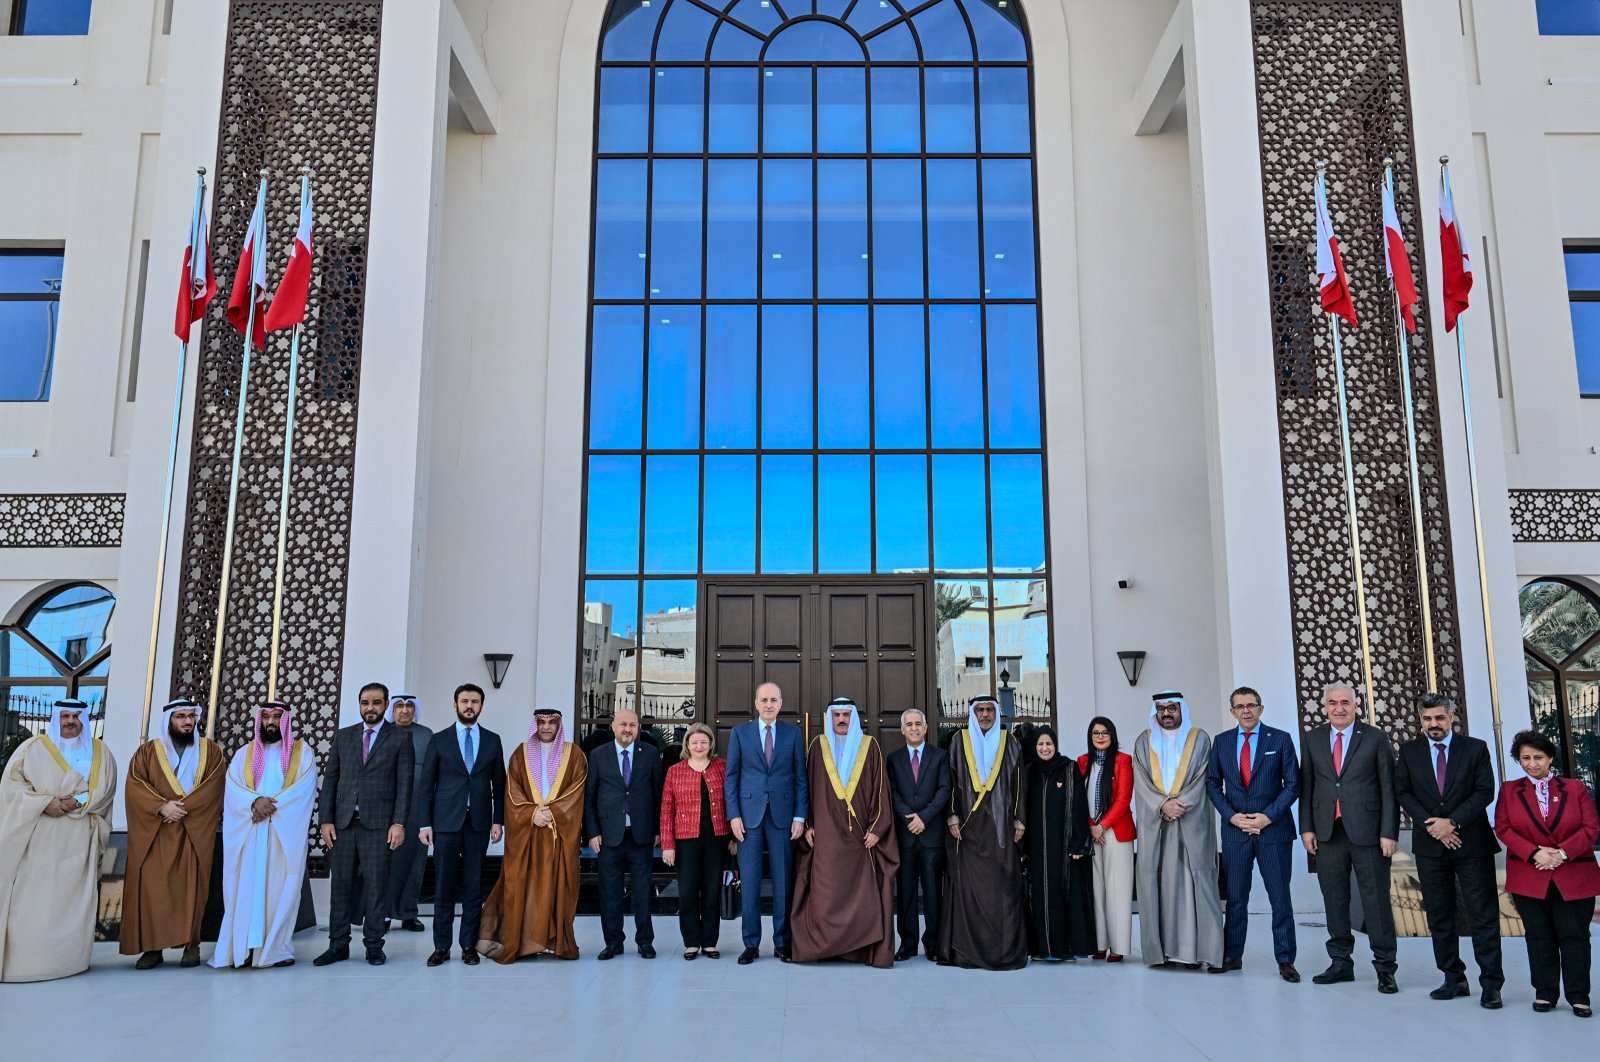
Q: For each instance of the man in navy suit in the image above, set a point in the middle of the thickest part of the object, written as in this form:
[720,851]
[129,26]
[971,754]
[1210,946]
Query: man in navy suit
[622,813]
[1253,781]
[460,809]
[768,804]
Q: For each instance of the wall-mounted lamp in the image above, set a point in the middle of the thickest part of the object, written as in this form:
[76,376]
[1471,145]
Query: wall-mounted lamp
[1132,661]
[499,663]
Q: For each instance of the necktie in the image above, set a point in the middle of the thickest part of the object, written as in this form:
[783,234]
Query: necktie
[1439,765]
[470,756]
[916,765]
[1244,759]
[627,767]
[767,743]
[366,745]
[1338,766]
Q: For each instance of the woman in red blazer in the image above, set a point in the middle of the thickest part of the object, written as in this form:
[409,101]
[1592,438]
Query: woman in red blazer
[1549,828]
[694,834]
[1108,778]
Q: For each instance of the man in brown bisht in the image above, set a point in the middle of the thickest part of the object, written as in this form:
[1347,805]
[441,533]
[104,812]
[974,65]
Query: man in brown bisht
[844,878]
[174,800]
[532,907]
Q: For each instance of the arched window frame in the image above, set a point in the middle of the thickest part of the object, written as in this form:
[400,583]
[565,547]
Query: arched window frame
[1561,673]
[20,716]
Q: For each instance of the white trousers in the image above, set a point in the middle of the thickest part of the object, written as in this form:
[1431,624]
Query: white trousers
[1113,896]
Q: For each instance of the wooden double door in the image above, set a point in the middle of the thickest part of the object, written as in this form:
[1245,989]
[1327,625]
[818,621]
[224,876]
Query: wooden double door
[867,639]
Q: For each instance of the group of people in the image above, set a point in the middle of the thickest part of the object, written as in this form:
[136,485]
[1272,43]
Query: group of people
[993,851]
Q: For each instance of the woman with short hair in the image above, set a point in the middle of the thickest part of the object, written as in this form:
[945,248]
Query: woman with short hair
[694,834]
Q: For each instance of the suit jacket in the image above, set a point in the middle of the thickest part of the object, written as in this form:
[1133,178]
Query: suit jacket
[1571,826]
[1468,789]
[927,797]
[1274,783]
[1364,791]
[380,787]
[753,789]
[1118,817]
[441,801]
[608,804]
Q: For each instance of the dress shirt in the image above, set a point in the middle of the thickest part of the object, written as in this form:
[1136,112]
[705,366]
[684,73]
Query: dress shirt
[1255,745]
[1333,735]
[766,726]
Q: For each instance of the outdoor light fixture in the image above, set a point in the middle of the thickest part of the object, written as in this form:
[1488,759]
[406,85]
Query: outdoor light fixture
[1008,696]
[1132,661]
[498,665]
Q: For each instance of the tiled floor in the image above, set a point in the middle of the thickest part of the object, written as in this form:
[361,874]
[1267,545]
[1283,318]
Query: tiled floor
[671,1009]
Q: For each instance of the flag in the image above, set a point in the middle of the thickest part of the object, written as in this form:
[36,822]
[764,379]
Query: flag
[198,284]
[289,302]
[246,301]
[1330,263]
[1395,260]
[1457,264]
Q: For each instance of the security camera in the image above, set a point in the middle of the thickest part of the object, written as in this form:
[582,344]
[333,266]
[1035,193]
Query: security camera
[1124,584]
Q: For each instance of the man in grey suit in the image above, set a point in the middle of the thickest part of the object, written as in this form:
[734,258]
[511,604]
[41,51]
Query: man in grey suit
[366,794]
[1350,819]
[407,862]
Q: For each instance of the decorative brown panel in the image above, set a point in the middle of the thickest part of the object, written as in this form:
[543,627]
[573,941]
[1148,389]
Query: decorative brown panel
[1331,85]
[1555,515]
[60,520]
[299,87]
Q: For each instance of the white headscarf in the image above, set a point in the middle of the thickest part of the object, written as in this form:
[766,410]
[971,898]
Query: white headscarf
[984,746]
[77,751]
[416,707]
[844,762]
[185,764]
[1168,744]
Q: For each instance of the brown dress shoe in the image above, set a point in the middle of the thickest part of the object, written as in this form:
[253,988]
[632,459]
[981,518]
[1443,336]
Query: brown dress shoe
[1287,971]
[469,956]
[191,956]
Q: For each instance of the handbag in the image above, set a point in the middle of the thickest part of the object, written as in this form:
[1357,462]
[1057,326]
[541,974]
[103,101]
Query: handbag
[731,900]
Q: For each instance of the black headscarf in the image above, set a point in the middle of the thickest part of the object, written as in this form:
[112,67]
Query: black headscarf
[1107,760]
[1055,767]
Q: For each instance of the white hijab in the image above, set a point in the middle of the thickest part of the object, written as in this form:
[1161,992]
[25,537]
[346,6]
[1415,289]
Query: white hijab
[984,746]
[78,751]
[185,764]
[1168,744]
[845,762]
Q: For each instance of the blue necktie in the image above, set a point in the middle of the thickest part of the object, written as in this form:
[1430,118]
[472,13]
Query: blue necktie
[469,756]
[627,767]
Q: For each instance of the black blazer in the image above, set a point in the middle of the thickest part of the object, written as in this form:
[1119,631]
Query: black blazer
[1364,791]
[441,797]
[928,797]
[608,805]
[1468,791]
[380,787]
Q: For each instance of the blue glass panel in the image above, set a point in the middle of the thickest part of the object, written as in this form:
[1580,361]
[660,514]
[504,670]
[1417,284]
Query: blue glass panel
[841,109]
[612,545]
[999,34]
[844,513]
[27,347]
[735,109]
[675,229]
[1008,228]
[734,45]
[786,228]
[615,361]
[943,33]
[1583,270]
[685,32]
[619,236]
[759,15]
[1003,91]
[842,228]
[894,44]
[814,41]
[786,376]
[897,228]
[896,110]
[673,419]
[630,38]
[902,512]
[610,631]
[831,8]
[730,377]
[786,527]
[671,514]
[1569,18]
[960,526]
[52,18]
[1022,641]
[667,650]
[1586,340]
[680,109]
[843,395]
[624,109]
[1016,504]
[953,258]
[868,15]
[1013,377]
[898,370]
[730,513]
[951,125]
[731,256]
[30,272]
[955,338]
[787,107]
[963,641]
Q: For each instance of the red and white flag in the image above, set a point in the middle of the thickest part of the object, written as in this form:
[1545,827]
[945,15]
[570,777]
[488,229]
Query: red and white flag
[1330,263]
[247,301]
[198,284]
[1395,260]
[1457,264]
[289,301]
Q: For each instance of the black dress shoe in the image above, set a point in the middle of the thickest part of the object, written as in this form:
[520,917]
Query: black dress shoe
[1450,990]
[610,951]
[1287,971]
[331,956]
[748,956]
[1228,966]
[439,957]
[281,964]
[783,954]
[905,953]
[413,925]
[1334,975]
[470,956]
[375,957]
[149,961]
[1387,985]
[1541,1007]
[647,951]
[1490,999]
[191,956]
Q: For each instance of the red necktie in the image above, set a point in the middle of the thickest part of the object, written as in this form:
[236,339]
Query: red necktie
[1338,765]
[916,765]
[1439,765]
[1244,759]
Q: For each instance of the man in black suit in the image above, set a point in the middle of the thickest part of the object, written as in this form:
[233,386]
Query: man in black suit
[1444,782]
[622,814]
[919,784]
[366,795]
[1350,819]
[461,810]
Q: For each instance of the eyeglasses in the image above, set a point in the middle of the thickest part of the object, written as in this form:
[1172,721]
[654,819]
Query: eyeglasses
[1099,733]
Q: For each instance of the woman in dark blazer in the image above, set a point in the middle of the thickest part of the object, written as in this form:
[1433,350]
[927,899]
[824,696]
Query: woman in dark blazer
[1549,828]
[694,834]
[1108,784]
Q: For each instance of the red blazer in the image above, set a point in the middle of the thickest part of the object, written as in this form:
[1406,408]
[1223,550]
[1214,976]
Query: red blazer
[1572,827]
[680,802]
[1118,818]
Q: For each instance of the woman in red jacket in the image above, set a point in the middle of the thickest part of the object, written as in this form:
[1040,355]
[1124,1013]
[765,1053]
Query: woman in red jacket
[1549,828]
[1108,778]
[694,834]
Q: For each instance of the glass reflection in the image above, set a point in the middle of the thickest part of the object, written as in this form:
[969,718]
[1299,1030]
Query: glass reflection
[674,365]
[612,543]
[813,42]
[730,514]
[955,340]
[841,109]
[786,514]
[961,615]
[675,200]
[997,29]
[684,31]
[943,33]
[896,110]
[614,373]
[897,228]
[608,661]
[902,512]
[730,377]
[734,94]
[1016,505]
[1004,92]
[731,219]
[948,91]
[667,652]
[844,513]
[894,44]
[952,229]
[672,514]
[625,109]
[786,376]
[786,228]
[1013,334]
[680,109]
[843,395]
[842,228]
[619,234]
[1008,228]
[1022,644]
[960,517]
[786,109]
[630,36]
[898,372]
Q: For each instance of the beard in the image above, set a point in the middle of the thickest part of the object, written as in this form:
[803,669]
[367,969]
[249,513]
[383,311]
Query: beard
[180,739]
[466,720]
[271,734]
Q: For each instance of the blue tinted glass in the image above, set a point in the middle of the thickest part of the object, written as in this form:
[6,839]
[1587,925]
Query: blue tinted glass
[619,236]
[1013,377]
[759,15]
[612,546]
[1016,504]
[999,34]
[814,42]
[1008,228]
[956,392]
[786,229]
[842,228]
[960,530]
[844,513]
[30,272]
[894,44]
[843,413]
[832,8]
[730,377]
[1569,18]
[953,229]
[951,125]
[666,656]
[1004,112]
[1583,267]
[1586,338]
[841,109]
[730,517]
[680,109]
[731,254]
[898,368]
[673,420]
[786,514]
[902,512]
[897,228]
[624,109]
[943,33]
[675,229]
[734,45]
[685,32]
[26,347]
[671,514]
[896,110]
[786,377]
[630,38]
[868,15]
[52,18]
[611,606]
[734,109]
[614,372]
[786,99]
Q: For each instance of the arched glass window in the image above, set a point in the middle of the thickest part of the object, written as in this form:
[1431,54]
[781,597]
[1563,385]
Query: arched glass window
[61,648]
[1561,647]
[814,347]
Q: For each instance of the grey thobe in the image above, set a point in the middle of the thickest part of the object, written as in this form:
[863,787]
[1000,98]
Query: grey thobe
[407,861]
[1180,912]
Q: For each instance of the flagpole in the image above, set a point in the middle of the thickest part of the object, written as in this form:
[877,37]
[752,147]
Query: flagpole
[1477,516]
[283,487]
[1355,527]
[233,487]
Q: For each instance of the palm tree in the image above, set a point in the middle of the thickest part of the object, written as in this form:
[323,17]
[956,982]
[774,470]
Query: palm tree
[949,603]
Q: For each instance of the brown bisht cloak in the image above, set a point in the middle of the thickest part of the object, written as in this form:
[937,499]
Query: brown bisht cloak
[843,904]
[981,921]
[532,906]
[169,863]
